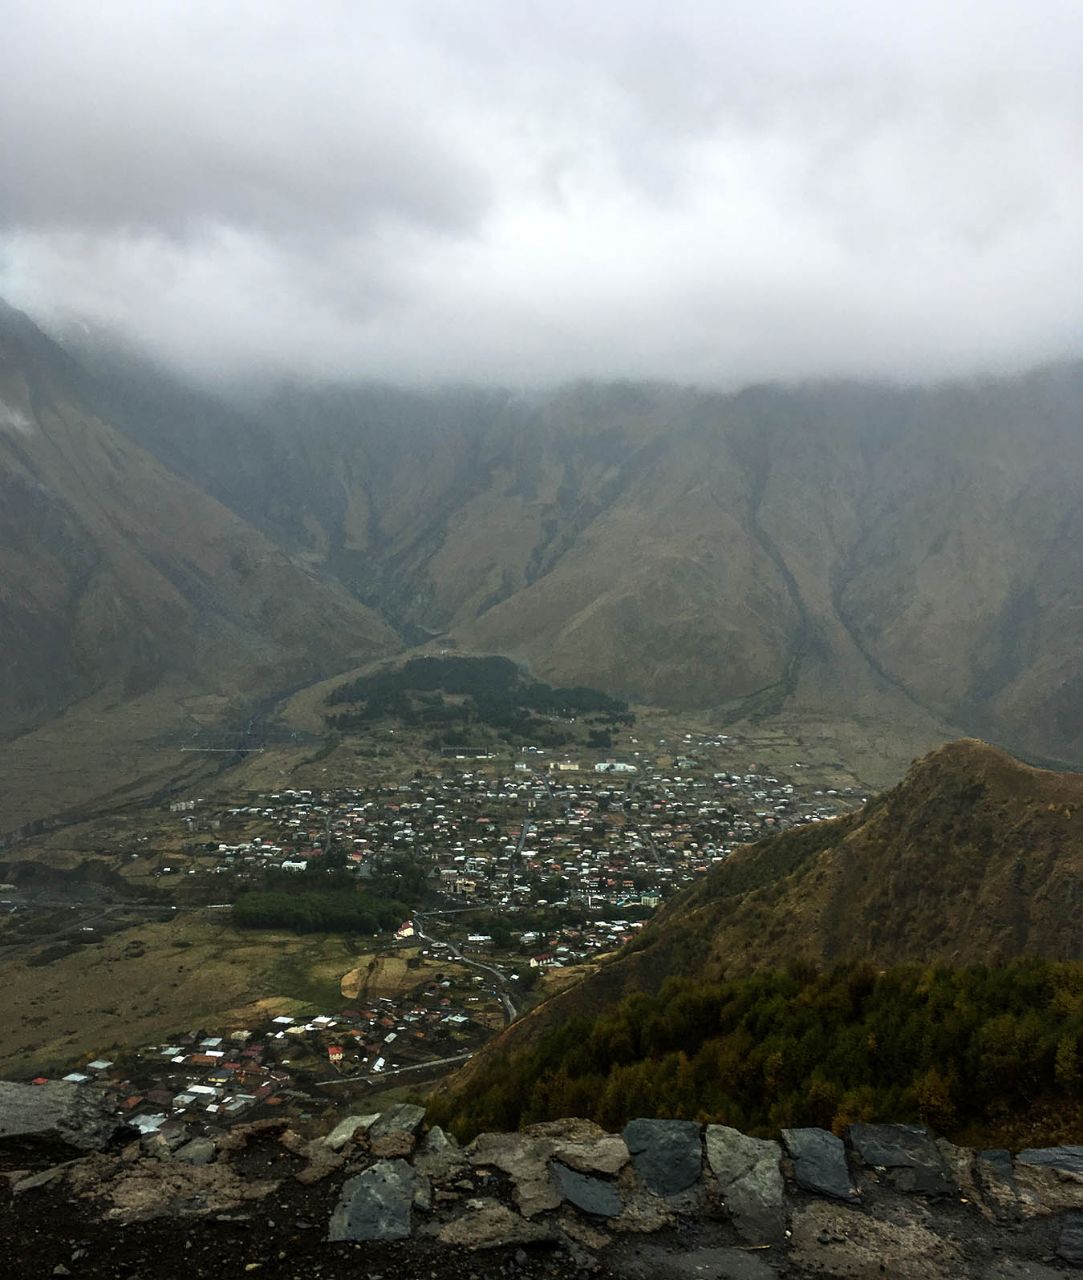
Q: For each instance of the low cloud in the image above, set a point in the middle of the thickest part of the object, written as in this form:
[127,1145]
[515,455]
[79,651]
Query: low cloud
[710,192]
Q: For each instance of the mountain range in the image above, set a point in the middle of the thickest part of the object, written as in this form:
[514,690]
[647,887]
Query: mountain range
[900,554]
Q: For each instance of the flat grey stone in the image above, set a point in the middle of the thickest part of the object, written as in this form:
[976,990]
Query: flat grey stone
[750,1180]
[403,1117]
[60,1112]
[376,1204]
[996,1163]
[907,1152]
[819,1163]
[1066,1159]
[198,1151]
[591,1195]
[1070,1242]
[436,1142]
[666,1153]
[347,1129]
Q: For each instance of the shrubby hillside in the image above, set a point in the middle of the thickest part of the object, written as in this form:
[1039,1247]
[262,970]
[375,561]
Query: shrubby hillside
[921,957]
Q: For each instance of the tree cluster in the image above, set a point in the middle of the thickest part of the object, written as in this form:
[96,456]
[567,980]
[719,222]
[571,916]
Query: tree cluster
[492,693]
[963,1050]
[346,912]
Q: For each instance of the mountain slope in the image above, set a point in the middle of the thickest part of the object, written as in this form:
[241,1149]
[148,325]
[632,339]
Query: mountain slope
[974,858]
[118,578]
[908,556]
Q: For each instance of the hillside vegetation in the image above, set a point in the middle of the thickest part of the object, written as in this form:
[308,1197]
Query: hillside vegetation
[460,696]
[126,587]
[990,1051]
[948,904]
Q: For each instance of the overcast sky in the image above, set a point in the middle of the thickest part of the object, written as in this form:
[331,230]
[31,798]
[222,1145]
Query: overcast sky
[506,191]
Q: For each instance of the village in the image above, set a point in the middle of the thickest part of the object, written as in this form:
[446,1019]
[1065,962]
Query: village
[504,874]
[203,1081]
[611,838]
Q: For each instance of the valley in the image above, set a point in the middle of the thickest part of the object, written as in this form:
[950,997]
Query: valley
[513,867]
[889,567]
[435,724]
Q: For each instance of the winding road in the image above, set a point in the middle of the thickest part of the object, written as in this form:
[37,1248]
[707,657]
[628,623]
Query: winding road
[510,1011]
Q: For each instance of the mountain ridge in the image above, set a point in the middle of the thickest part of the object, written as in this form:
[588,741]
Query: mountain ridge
[898,553]
[845,553]
[122,582]
[973,858]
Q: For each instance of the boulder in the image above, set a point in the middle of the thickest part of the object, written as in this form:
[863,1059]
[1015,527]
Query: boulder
[1070,1241]
[321,1160]
[347,1129]
[436,1142]
[238,1138]
[568,1129]
[582,1233]
[488,1224]
[399,1144]
[1048,1184]
[403,1117]
[605,1155]
[440,1157]
[819,1163]
[58,1113]
[376,1204]
[582,1145]
[750,1180]
[151,1189]
[392,1134]
[155,1146]
[997,1185]
[526,1161]
[667,1154]
[197,1151]
[908,1155]
[590,1195]
[995,1165]
[1064,1159]
[643,1212]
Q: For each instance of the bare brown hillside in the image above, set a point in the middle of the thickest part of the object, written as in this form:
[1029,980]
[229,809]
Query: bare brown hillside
[906,555]
[122,584]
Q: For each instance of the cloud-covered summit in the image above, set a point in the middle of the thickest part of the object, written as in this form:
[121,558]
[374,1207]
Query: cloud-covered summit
[716,192]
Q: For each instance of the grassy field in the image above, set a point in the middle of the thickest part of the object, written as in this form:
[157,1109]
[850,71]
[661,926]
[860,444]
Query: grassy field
[146,982]
[386,973]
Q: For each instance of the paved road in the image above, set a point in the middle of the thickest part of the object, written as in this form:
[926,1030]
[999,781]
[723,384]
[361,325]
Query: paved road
[517,857]
[651,845]
[380,1076]
[510,1011]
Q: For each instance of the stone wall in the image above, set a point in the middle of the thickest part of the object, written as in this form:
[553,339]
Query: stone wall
[663,1198]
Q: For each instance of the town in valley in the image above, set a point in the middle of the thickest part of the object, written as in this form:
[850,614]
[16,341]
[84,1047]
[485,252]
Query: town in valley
[476,882]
